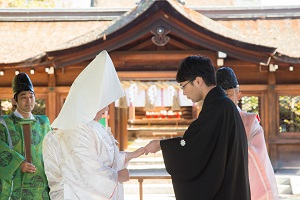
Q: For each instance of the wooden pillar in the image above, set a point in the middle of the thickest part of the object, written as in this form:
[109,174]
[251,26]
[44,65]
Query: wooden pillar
[264,116]
[141,188]
[51,104]
[121,127]
[271,133]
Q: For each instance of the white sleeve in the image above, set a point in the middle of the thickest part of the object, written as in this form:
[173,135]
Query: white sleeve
[86,167]
[51,157]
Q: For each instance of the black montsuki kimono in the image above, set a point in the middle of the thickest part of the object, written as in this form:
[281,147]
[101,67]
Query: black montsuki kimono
[210,161]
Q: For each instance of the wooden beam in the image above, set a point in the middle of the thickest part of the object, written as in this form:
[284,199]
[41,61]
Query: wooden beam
[291,88]
[142,45]
[157,55]
[255,88]
[179,44]
[147,75]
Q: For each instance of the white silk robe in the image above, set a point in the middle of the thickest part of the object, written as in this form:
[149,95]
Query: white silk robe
[262,180]
[83,163]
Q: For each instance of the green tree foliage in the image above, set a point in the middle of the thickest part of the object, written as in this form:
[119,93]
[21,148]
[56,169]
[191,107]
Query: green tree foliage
[250,104]
[289,110]
[6,107]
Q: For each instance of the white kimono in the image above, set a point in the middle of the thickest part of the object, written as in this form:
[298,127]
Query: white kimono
[83,163]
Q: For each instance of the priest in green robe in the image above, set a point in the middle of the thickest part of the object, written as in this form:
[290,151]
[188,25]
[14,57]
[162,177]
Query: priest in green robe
[22,176]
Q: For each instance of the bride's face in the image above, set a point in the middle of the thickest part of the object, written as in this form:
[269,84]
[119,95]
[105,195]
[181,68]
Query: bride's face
[100,113]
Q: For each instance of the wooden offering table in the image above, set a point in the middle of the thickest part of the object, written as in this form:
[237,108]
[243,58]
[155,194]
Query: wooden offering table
[157,127]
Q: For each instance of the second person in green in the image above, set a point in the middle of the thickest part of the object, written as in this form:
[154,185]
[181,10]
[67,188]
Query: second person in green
[20,179]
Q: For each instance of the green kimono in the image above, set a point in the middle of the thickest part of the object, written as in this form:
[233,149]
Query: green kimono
[14,183]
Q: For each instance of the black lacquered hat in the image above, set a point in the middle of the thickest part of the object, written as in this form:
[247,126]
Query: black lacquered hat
[22,82]
[226,78]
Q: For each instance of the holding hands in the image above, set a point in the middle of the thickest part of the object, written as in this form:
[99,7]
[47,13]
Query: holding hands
[134,154]
[123,174]
[152,147]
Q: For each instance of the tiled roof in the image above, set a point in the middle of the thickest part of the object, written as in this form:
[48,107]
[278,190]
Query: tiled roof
[125,19]
[214,26]
[281,33]
[114,26]
[20,41]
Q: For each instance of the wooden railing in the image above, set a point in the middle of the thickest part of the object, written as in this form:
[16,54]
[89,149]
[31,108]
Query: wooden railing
[141,178]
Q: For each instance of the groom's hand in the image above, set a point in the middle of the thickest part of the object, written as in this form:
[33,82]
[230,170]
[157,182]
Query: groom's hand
[152,147]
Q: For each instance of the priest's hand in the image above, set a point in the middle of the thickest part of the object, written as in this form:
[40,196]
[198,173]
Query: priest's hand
[152,147]
[134,154]
[27,167]
[123,175]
